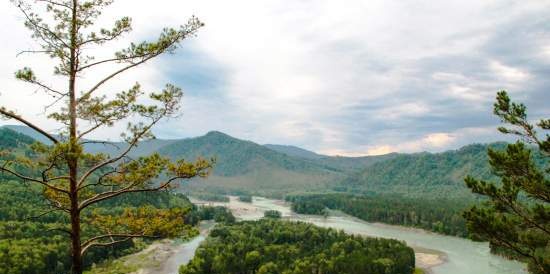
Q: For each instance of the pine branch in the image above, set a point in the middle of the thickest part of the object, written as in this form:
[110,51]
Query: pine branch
[12,115]
[125,237]
[30,179]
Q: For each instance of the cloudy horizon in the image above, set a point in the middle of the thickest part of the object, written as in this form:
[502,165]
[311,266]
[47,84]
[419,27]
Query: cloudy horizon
[364,78]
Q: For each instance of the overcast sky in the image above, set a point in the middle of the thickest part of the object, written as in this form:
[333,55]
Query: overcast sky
[337,77]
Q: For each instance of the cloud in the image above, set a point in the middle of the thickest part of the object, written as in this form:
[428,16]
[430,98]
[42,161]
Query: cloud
[360,77]
[508,73]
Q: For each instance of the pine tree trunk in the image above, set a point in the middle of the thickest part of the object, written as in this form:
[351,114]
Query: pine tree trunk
[75,241]
[73,159]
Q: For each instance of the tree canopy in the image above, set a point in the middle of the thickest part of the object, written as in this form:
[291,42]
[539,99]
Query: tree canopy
[516,217]
[273,246]
[73,181]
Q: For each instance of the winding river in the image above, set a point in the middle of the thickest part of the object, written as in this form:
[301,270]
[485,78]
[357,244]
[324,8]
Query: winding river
[443,254]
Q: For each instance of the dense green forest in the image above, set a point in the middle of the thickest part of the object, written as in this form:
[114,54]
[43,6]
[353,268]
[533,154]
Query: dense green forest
[438,215]
[424,175]
[37,245]
[245,198]
[280,247]
[32,238]
[219,214]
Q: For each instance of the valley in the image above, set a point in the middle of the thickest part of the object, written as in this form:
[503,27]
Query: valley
[434,253]
[420,189]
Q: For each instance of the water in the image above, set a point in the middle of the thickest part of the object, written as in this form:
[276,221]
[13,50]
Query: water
[462,256]
[183,255]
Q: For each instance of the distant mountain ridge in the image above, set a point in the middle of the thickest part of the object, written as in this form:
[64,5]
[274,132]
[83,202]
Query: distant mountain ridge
[277,170]
[294,151]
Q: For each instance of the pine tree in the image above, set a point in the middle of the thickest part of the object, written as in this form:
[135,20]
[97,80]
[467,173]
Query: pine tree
[515,218]
[74,181]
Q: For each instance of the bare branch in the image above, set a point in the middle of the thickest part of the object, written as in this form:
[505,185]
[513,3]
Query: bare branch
[55,3]
[43,214]
[61,230]
[12,115]
[40,28]
[26,178]
[33,51]
[128,189]
[47,88]
[131,145]
[116,59]
[99,181]
[100,83]
[125,237]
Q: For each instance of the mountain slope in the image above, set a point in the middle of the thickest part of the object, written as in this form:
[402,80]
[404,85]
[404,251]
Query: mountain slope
[246,167]
[234,156]
[424,174]
[275,170]
[10,139]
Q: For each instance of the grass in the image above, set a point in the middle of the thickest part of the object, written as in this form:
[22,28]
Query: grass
[419,271]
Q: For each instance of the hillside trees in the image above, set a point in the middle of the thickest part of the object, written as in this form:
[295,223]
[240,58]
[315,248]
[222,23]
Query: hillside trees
[75,182]
[516,217]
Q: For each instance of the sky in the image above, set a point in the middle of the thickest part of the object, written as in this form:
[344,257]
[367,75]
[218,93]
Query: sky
[336,77]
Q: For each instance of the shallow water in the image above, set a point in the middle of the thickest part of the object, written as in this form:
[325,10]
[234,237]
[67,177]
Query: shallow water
[182,256]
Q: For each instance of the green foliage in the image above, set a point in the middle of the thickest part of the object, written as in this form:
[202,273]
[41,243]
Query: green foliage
[220,214]
[211,197]
[516,217]
[35,245]
[74,181]
[273,214]
[438,215]
[11,139]
[245,198]
[424,175]
[272,246]
[245,168]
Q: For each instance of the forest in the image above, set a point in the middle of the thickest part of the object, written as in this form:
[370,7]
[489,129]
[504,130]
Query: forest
[33,238]
[438,215]
[273,246]
[34,244]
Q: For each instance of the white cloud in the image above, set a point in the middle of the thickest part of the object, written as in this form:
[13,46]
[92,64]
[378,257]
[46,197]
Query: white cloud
[313,73]
[508,73]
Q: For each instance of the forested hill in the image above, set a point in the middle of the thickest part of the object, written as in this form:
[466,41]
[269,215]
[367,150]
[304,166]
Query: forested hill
[236,157]
[248,168]
[10,139]
[424,174]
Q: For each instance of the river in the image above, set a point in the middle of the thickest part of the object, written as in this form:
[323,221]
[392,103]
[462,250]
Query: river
[441,254]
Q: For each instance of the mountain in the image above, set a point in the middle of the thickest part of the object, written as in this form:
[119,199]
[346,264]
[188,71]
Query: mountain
[246,167]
